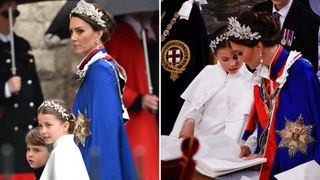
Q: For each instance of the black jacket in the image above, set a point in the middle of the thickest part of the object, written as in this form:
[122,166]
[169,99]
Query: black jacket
[193,33]
[19,112]
[305,24]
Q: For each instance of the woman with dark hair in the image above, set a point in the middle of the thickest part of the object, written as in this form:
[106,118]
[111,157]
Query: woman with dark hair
[98,102]
[286,109]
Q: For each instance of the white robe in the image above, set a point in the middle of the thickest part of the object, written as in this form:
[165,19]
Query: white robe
[65,161]
[220,103]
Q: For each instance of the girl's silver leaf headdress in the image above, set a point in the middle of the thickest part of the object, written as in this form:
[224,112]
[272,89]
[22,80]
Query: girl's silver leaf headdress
[241,32]
[89,10]
[214,43]
[57,107]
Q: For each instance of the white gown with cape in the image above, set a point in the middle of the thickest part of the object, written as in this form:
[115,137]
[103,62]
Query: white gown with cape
[219,103]
[65,161]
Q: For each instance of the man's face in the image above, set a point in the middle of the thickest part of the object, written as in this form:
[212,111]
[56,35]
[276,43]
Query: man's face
[280,3]
[4,16]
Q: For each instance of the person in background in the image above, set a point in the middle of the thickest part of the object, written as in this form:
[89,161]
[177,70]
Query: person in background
[105,150]
[184,53]
[286,110]
[20,94]
[56,126]
[37,151]
[294,17]
[126,47]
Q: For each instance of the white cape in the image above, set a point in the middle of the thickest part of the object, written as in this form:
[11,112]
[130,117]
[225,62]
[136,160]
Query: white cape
[229,98]
[65,161]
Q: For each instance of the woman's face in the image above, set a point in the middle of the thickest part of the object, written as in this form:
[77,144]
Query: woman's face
[37,155]
[248,55]
[228,60]
[51,128]
[83,37]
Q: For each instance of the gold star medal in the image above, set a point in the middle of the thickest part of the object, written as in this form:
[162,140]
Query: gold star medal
[82,129]
[296,136]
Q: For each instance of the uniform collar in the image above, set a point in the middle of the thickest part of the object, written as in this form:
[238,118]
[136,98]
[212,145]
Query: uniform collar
[4,38]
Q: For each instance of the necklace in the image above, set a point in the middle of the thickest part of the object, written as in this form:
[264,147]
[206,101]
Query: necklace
[270,99]
[169,26]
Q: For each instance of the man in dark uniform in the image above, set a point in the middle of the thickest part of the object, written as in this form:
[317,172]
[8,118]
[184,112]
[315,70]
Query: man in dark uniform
[299,26]
[20,94]
[184,53]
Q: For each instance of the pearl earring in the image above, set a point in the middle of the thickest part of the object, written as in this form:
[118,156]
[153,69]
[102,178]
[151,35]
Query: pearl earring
[261,57]
[98,41]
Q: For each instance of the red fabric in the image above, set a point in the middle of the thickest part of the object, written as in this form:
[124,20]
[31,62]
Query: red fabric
[142,130]
[20,176]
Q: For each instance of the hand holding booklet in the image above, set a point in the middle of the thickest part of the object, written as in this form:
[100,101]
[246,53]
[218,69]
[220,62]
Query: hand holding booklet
[217,155]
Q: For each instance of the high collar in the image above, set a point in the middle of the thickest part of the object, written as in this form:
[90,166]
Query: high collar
[85,60]
[278,63]
[275,68]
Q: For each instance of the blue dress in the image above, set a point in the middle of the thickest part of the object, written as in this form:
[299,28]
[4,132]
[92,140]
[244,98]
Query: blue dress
[106,151]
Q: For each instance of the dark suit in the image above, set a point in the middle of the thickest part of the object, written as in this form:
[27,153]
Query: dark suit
[193,33]
[304,23]
[19,112]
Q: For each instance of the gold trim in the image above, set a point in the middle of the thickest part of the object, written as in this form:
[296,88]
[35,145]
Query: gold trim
[175,68]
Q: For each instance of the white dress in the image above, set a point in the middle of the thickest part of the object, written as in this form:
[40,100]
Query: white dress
[219,103]
[65,161]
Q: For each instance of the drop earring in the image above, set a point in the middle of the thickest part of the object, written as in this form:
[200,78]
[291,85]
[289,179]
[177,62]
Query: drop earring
[98,41]
[261,57]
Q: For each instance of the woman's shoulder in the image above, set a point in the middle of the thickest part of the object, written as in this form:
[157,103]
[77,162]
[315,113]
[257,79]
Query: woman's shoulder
[103,65]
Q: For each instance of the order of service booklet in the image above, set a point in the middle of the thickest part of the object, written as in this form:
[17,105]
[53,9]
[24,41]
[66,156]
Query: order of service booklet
[217,154]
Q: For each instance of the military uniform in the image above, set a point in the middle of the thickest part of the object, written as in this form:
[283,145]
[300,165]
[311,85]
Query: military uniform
[20,110]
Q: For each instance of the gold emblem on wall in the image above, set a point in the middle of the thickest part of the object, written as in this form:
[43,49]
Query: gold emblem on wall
[296,136]
[175,56]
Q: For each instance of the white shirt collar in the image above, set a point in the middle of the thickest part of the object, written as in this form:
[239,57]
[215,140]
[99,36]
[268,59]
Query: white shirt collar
[186,7]
[4,38]
[138,27]
[283,12]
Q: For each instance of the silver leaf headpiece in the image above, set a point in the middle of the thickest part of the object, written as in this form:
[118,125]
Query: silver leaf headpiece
[89,10]
[241,32]
[214,43]
[57,107]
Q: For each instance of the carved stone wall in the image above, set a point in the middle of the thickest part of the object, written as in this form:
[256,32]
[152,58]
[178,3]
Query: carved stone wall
[216,12]
[56,65]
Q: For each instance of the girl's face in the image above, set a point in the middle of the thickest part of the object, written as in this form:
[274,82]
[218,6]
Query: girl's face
[37,155]
[248,55]
[228,60]
[83,37]
[51,128]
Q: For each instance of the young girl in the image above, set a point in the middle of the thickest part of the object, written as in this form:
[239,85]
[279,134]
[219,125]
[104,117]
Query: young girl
[219,99]
[56,124]
[37,151]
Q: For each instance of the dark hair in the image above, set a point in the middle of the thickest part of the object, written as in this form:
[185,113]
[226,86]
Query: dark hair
[107,17]
[50,110]
[33,137]
[263,23]
[224,43]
